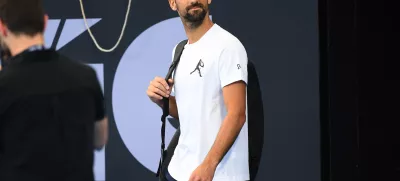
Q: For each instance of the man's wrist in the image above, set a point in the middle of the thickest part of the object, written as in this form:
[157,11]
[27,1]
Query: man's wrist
[212,162]
[160,104]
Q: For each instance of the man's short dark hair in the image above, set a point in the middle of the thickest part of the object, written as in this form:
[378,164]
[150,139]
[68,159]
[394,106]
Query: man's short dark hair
[23,16]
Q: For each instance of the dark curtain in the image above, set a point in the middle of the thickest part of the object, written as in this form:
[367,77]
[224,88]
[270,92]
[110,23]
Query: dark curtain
[359,91]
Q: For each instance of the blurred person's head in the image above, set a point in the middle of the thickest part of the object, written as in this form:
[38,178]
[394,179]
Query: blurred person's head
[192,12]
[22,24]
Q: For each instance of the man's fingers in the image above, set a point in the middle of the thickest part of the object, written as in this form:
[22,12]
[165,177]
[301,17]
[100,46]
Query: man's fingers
[160,92]
[171,82]
[154,95]
[159,88]
[162,82]
[159,85]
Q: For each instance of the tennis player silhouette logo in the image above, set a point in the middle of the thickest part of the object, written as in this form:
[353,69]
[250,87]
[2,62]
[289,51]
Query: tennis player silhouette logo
[199,65]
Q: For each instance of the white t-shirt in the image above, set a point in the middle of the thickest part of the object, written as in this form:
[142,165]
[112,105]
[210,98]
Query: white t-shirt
[206,66]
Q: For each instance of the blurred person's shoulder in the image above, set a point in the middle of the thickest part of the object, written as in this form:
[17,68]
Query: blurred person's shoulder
[48,69]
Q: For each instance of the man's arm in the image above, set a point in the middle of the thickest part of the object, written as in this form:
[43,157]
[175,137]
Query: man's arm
[100,133]
[173,109]
[233,78]
[101,120]
[232,72]
[235,102]
[158,89]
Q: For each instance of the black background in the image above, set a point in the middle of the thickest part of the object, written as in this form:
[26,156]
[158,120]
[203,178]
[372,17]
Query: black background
[360,92]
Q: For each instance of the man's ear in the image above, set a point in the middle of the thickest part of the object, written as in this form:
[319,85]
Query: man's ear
[209,2]
[46,19]
[172,4]
[3,29]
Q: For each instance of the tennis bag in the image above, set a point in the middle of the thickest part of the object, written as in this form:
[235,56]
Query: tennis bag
[255,120]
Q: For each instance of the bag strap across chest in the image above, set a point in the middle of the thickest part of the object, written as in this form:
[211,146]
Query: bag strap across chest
[178,53]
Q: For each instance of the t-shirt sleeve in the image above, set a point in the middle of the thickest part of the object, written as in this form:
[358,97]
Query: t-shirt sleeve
[232,64]
[98,98]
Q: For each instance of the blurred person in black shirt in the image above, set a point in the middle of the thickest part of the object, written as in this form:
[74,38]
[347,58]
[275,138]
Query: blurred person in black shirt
[5,54]
[52,113]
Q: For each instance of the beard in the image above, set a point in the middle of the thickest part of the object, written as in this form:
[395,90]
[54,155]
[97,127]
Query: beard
[195,17]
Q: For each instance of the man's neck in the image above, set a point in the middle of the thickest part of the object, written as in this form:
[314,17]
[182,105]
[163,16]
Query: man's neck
[21,43]
[195,34]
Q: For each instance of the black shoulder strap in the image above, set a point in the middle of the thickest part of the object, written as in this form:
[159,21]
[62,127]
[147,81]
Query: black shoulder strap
[177,56]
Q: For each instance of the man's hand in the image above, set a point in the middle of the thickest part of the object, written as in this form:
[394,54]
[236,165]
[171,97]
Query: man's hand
[205,172]
[100,133]
[158,89]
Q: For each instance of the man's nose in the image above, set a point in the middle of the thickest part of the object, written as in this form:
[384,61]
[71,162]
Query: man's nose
[193,1]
